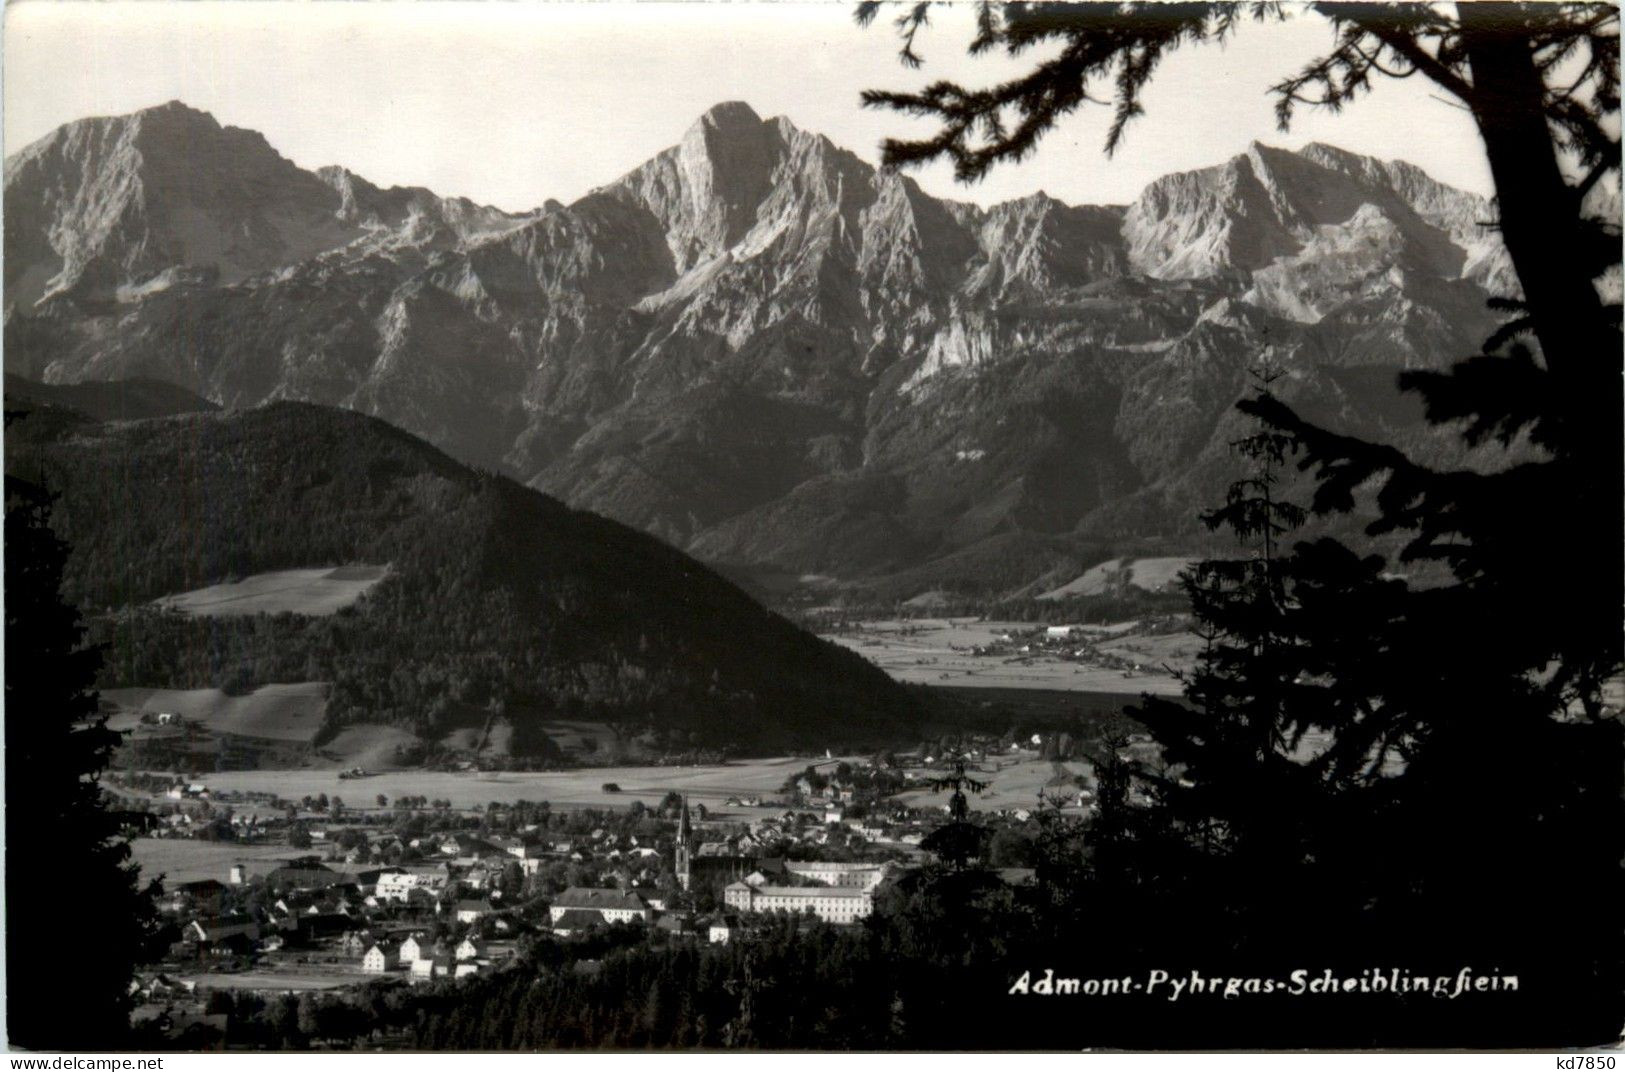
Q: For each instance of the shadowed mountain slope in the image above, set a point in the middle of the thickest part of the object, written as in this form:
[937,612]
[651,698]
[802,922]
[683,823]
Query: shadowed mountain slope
[498,597]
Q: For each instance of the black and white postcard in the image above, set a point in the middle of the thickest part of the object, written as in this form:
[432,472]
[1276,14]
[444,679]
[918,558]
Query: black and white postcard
[813,527]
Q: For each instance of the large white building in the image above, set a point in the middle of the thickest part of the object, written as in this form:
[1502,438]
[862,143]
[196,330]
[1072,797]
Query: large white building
[398,885]
[832,904]
[862,876]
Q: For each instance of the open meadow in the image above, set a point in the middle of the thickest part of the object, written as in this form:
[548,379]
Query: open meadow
[189,860]
[278,981]
[315,592]
[1150,574]
[709,784]
[939,651]
[287,712]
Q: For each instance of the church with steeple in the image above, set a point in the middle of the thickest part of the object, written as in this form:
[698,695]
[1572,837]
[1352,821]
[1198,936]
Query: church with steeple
[715,862]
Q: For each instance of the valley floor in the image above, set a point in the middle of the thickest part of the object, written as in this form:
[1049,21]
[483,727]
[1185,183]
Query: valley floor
[973,653]
[710,784]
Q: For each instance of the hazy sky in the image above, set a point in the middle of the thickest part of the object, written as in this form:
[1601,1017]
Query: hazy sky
[512,103]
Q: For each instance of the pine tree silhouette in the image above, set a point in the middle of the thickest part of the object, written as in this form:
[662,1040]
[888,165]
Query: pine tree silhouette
[1467,748]
[57,744]
[961,840]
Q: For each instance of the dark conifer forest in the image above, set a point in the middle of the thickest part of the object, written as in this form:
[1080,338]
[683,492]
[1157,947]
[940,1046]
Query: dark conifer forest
[497,598]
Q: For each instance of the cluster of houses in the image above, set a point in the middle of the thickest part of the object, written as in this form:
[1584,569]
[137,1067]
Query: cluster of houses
[581,909]
[324,913]
[426,960]
[1069,643]
[384,896]
[337,908]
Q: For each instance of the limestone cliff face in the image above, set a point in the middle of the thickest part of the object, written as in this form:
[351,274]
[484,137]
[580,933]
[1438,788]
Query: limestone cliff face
[121,206]
[755,344]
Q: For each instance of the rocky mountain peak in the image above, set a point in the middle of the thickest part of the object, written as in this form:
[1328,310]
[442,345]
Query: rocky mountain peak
[126,204]
[1268,205]
[177,108]
[754,344]
[175,115]
[115,202]
[704,190]
[729,117]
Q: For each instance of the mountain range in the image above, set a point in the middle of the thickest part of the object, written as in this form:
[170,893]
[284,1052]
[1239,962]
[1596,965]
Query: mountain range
[756,345]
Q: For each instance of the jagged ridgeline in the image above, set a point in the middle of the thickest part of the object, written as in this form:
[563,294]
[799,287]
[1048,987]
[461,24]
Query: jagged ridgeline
[496,598]
[754,344]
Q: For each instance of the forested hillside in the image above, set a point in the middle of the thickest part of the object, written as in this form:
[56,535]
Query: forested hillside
[117,400]
[498,598]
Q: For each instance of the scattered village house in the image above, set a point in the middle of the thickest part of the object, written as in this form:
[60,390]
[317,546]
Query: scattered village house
[378,960]
[435,967]
[411,950]
[223,935]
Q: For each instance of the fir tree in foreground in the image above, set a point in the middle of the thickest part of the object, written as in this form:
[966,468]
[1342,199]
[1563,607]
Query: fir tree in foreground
[960,841]
[1232,786]
[67,857]
[1376,768]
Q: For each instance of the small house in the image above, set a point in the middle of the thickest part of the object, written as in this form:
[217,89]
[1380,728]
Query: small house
[378,960]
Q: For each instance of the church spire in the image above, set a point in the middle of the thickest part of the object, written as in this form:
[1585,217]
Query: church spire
[684,833]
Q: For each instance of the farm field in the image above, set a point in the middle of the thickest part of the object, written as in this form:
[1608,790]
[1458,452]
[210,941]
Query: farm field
[311,979]
[1176,650]
[709,785]
[1150,574]
[186,860]
[370,746]
[316,592]
[289,712]
[1012,782]
[936,651]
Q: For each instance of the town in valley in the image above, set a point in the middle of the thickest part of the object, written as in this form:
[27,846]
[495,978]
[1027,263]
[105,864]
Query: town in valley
[355,891]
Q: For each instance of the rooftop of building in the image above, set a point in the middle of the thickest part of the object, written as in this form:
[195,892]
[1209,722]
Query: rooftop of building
[591,897]
[803,891]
